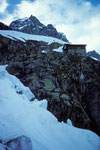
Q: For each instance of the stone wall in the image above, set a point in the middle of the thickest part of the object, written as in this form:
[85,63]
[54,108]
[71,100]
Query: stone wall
[79,50]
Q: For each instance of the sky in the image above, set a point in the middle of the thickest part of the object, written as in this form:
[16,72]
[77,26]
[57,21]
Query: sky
[79,20]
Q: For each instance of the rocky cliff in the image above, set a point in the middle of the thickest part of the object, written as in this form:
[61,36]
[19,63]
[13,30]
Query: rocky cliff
[70,83]
[32,25]
[4,27]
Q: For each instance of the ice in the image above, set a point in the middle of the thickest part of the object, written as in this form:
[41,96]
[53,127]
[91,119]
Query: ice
[69,123]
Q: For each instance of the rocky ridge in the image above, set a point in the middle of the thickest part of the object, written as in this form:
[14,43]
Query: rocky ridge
[32,25]
[71,84]
[4,27]
[93,54]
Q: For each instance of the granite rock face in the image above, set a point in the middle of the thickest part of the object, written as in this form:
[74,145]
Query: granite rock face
[70,83]
[32,25]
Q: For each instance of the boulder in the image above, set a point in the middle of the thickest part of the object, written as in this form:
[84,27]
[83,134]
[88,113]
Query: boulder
[48,84]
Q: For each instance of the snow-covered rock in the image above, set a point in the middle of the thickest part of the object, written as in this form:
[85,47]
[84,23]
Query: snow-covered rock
[94,55]
[4,147]
[20,143]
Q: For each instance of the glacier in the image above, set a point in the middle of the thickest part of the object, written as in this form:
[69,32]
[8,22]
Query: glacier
[15,35]
[20,116]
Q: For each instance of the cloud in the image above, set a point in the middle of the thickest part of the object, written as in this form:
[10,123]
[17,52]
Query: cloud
[78,19]
[3,6]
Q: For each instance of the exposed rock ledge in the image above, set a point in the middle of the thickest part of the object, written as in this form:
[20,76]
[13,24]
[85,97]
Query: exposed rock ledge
[19,143]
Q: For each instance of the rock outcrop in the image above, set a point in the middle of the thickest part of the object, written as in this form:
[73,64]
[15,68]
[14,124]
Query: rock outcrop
[19,143]
[70,83]
[32,25]
[4,27]
[94,54]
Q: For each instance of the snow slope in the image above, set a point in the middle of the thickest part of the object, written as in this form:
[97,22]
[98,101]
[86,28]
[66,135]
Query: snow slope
[19,116]
[15,35]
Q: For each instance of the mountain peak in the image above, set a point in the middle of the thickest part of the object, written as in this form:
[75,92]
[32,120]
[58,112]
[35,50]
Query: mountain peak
[50,26]
[33,18]
[32,25]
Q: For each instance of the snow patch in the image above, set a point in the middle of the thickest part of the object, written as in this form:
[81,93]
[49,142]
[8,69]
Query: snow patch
[23,19]
[95,58]
[44,51]
[60,49]
[22,27]
[40,27]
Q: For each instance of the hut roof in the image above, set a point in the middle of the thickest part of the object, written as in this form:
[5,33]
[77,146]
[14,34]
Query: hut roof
[75,44]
